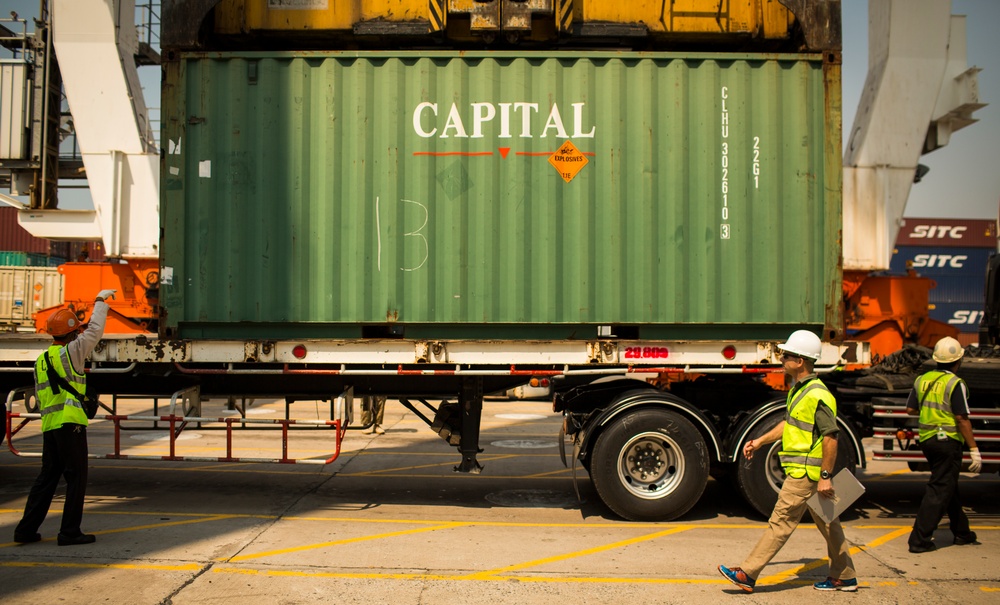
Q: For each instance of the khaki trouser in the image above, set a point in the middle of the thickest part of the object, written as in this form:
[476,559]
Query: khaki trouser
[372,409]
[785,518]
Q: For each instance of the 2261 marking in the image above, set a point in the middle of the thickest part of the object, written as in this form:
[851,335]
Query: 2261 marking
[646,353]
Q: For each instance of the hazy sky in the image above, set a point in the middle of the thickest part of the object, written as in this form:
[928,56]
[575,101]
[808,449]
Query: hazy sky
[964,181]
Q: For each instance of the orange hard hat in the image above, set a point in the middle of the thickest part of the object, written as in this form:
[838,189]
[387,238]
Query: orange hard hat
[62,322]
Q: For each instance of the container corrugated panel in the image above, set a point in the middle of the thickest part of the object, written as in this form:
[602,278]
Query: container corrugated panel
[941,261]
[958,288]
[14,237]
[12,258]
[15,97]
[28,259]
[25,291]
[968,338]
[963,316]
[948,233]
[397,189]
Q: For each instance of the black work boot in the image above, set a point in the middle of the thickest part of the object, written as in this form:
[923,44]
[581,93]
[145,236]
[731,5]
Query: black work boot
[72,540]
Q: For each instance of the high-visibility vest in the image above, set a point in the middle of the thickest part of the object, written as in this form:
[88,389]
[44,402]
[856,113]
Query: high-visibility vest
[59,408]
[934,391]
[801,452]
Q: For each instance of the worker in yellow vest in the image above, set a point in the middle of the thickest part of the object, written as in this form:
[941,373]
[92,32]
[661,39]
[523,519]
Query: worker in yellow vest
[941,399]
[808,437]
[61,386]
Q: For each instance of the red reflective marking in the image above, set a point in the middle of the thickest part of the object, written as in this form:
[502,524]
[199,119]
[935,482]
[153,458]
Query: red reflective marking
[515,372]
[444,153]
[504,151]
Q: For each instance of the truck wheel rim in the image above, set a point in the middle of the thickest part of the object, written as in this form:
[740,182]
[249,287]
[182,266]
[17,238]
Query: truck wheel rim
[773,470]
[651,465]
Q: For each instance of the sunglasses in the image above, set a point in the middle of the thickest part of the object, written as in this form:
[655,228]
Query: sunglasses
[787,356]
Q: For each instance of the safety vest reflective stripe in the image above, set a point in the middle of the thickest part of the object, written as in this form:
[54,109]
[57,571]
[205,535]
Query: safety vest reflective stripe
[934,427]
[57,409]
[812,386]
[801,424]
[937,406]
[802,451]
[935,414]
[799,397]
[799,459]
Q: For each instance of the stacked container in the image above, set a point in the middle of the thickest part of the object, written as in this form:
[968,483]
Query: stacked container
[18,248]
[954,253]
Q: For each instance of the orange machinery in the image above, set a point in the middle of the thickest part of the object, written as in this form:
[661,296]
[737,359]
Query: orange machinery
[891,311]
[134,308]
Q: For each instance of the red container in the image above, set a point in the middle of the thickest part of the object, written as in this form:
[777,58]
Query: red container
[13,237]
[968,338]
[958,233]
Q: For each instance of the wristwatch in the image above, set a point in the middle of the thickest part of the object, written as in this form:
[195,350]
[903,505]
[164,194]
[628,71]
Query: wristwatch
[824,474]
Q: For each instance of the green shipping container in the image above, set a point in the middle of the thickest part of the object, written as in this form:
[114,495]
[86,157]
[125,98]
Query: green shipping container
[14,258]
[501,195]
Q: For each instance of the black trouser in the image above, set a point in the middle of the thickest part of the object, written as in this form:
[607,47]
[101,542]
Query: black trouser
[64,453]
[945,457]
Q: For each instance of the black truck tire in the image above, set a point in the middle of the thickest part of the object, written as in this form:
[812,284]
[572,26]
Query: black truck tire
[759,479]
[650,465]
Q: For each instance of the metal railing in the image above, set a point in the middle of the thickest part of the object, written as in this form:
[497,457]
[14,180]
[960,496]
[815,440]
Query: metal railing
[147,23]
[16,39]
[177,420]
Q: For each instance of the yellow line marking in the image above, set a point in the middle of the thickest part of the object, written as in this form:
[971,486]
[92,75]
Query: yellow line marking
[140,527]
[464,578]
[451,476]
[580,553]
[724,526]
[246,468]
[561,471]
[975,527]
[880,477]
[796,571]
[380,471]
[989,589]
[340,542]
[183,567]
[165,524]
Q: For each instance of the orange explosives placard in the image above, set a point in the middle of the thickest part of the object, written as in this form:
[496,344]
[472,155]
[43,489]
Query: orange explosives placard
[568,160]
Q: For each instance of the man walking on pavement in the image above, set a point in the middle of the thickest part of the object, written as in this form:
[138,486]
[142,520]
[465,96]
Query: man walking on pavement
[941,399]
[61,386]
[808,453]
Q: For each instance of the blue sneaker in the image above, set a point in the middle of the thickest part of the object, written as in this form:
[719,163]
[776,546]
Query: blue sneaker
[843,585]
[739,577]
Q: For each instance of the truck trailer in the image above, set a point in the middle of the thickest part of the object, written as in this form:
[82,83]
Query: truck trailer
[442,200]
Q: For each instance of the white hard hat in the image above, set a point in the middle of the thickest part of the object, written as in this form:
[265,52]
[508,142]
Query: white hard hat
[948,350]
[804,344]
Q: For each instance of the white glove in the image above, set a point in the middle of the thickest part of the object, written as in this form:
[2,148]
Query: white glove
[977,460]
[106,294]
